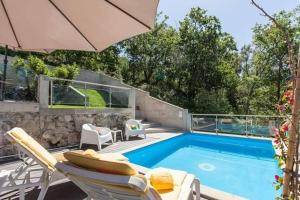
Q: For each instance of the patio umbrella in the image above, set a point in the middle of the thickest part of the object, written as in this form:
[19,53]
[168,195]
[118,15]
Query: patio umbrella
[89,25]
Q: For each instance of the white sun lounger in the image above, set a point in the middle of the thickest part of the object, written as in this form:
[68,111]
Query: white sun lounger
[100,186]
[96,185]
[36,170]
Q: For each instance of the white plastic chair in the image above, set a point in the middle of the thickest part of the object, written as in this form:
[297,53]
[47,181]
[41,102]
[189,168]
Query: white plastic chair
[134,132]
[91,134]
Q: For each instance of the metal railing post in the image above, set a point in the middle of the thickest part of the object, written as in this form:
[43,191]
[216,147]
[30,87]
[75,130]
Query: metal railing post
[51,93]
[217,124]
[85,95]
[246,126]
[192,124]
[110,97]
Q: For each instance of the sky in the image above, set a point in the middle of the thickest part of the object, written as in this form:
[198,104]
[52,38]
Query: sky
[237,17]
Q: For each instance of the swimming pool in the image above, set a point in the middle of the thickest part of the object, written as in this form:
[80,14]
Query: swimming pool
[240,166]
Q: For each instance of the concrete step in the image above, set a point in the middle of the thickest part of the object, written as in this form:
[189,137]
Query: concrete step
[161,130]
[150,125]
[140,120]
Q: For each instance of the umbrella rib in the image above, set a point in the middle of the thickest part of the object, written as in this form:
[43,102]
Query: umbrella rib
[76,28]
[128,14]
[10,24]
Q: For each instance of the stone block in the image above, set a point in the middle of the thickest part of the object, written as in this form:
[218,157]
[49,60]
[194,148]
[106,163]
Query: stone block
[68,118]
[53,137]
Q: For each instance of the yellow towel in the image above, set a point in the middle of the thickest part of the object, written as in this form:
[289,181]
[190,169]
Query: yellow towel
[161,180]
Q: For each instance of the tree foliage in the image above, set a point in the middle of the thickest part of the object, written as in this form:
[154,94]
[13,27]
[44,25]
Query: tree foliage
[264,69]
[181,66]
[29,69]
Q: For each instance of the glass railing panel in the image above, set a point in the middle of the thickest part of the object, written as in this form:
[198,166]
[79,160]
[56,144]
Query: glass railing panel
[13,91]
[232,124]
[120,98]
[76,94]
[204,123]
[66,96]
[249,125]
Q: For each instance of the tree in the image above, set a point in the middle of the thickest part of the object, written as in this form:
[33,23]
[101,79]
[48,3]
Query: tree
[290,180]
[33,66]
[150,57]
[65,71]
[106,61]
[256,89]
[271,54]
[181,66]
[208,57]
[29,70]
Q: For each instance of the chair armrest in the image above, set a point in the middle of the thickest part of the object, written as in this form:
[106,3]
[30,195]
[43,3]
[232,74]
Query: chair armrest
[103,130]
[141,125]
[90,134]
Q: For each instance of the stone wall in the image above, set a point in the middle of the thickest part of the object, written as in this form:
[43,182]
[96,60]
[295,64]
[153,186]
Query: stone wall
[155,110]
[55,128]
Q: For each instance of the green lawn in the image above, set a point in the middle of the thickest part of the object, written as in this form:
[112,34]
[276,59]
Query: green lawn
[71,106]
[95,98]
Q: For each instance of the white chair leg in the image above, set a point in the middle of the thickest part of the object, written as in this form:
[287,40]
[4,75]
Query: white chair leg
[80,145]
[22,194]
[99,146]
[197,188]
[44,186]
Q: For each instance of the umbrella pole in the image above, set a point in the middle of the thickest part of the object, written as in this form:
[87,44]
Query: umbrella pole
[4,73]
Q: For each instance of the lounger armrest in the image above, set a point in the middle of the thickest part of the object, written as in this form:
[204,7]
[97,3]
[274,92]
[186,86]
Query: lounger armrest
[141,126]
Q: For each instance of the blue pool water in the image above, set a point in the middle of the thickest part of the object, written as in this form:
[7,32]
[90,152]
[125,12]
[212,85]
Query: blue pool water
[241,166]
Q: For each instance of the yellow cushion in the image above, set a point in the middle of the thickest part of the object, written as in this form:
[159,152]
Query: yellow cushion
[91,153]
[21,137]
[161,179]
[59,156]
[103,156]
[98,164]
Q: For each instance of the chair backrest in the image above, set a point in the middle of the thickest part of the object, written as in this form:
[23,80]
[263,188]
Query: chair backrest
[31,147]
[92,126]
[131,122]
[104,131]
[88,127]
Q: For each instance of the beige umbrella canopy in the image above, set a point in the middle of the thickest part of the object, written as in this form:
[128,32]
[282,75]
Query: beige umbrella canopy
[90,25]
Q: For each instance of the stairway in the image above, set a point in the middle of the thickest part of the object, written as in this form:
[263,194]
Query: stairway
[153,127]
